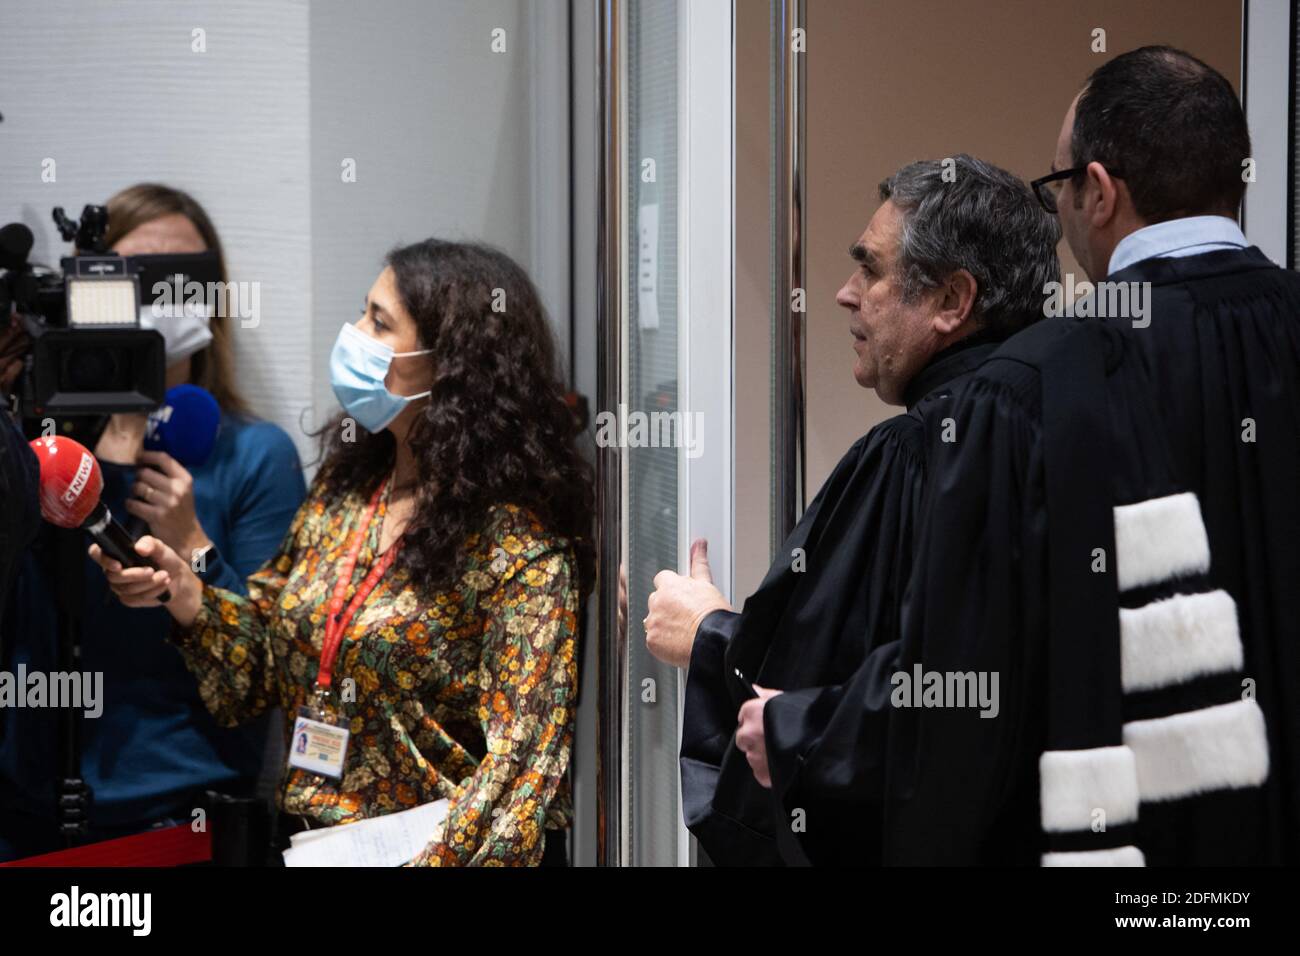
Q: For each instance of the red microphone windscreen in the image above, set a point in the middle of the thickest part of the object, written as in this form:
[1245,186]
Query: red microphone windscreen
[70,480]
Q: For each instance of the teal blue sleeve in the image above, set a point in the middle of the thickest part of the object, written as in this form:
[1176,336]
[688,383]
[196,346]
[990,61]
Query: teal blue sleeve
[266,487]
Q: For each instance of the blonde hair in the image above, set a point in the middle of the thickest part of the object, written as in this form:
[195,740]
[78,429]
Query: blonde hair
[211,368]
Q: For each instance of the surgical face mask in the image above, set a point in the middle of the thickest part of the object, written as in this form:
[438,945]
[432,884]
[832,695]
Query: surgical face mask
[358,367]
[186,329]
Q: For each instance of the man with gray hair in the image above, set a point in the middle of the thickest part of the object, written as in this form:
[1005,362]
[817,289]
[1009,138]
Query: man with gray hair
[954,261]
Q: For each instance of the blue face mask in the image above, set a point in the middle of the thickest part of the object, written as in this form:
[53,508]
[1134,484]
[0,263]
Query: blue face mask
[358,366]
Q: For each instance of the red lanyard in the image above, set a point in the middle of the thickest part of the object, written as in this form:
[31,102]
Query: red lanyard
[337,622]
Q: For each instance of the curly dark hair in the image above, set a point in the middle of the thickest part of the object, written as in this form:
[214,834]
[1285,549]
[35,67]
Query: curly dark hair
[495,429]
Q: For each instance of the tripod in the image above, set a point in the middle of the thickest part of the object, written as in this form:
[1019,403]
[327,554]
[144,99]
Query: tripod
[73,795]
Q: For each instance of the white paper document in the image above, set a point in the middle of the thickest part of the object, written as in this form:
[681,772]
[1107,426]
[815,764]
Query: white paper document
[390,840]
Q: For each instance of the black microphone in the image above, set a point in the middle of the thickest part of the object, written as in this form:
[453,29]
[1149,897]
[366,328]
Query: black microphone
[113,539]
[15,246]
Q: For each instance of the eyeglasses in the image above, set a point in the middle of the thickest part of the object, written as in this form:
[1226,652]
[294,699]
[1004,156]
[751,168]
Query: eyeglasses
[1046,190]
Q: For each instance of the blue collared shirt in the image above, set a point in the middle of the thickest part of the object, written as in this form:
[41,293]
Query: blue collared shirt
[1189,236]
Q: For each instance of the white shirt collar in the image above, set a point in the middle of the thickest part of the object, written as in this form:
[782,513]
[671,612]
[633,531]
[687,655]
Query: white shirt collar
[1189,236]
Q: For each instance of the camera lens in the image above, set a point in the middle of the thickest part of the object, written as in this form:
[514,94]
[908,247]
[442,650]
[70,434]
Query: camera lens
[91,370]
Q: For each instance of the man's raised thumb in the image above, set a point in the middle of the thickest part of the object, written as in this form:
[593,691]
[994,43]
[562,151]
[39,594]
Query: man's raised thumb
[700,560]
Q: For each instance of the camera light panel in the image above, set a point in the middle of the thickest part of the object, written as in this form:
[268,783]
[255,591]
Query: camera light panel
[96,302]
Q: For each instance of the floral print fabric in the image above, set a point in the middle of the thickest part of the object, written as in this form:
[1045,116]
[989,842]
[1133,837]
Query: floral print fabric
[466,694]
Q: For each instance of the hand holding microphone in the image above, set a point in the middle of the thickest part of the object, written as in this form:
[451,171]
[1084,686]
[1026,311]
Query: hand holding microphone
[162,502]
[145,587]
[180,435]
[71,485]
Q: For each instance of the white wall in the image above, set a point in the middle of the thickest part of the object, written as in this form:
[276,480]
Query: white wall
[449,138]
[114,94]
[441,128]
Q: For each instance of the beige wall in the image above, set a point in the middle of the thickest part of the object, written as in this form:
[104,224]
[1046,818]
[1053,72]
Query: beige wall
[753,316]
[891,81]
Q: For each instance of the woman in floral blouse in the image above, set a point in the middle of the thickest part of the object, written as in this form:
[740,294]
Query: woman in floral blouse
[463,508]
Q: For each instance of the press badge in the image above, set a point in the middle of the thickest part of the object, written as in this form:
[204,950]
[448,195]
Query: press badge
[318,746]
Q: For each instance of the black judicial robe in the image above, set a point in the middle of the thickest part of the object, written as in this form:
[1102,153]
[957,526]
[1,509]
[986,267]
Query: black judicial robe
[1114,533]
[1223,356]
[833,592]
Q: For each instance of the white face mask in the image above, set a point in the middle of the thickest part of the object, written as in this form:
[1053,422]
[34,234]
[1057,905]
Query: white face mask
[185,329]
